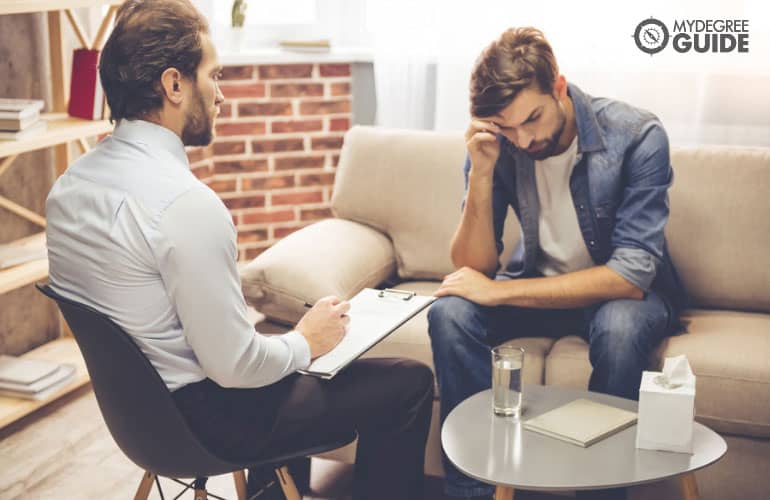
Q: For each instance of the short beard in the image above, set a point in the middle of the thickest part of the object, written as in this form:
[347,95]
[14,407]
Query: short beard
[553,141]
[197,130]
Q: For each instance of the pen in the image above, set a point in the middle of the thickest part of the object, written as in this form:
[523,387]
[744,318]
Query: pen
[308,305]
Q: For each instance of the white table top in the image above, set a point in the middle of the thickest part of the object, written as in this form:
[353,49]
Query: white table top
[497,450]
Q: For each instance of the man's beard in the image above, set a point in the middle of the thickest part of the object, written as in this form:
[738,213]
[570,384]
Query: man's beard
[197,130]
[553,141]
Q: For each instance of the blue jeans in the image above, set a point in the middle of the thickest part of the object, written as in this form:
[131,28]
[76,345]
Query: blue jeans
[622,335]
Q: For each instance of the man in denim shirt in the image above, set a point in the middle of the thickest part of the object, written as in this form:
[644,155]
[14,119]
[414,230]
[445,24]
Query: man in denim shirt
[588,179]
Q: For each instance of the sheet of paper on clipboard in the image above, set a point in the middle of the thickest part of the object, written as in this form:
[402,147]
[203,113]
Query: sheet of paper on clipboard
[374,314]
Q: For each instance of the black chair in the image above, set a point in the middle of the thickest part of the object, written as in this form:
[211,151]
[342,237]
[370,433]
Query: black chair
[142,417]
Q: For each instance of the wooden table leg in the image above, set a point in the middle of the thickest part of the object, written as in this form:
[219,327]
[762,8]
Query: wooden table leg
[689,486]
[504,493]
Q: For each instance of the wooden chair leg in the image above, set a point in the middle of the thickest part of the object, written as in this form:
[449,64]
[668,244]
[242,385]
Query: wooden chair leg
[689,486]
[240,484]
[504,493]
[200,494]
[287,484]
[145,486]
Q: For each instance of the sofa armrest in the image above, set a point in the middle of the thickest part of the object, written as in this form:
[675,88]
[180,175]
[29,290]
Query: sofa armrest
[331,257]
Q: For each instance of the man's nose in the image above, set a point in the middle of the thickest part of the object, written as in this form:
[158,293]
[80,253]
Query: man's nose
[524,139]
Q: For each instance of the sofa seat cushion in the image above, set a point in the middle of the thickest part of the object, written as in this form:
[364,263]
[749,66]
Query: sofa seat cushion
[728,354]
[412,340]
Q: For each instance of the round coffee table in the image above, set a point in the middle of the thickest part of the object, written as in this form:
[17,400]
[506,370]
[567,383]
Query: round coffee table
[499,451]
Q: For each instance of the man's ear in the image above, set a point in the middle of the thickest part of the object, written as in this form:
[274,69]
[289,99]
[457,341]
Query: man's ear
[171,82]
[560,87]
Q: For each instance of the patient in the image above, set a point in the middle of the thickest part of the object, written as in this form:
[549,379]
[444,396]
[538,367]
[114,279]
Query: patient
[133,233]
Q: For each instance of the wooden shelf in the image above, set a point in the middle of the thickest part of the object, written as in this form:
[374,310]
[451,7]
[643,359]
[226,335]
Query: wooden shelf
[62,350]
[61,129]
[27,273]
[22,6]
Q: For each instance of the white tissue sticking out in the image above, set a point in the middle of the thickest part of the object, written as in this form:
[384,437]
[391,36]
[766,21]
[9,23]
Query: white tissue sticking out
[676,373]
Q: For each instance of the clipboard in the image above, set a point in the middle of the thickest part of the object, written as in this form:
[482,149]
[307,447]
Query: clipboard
[374,314]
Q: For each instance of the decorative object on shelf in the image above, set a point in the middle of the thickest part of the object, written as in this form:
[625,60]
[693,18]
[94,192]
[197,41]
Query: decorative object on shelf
[239,13]
[86,94]
[237,33]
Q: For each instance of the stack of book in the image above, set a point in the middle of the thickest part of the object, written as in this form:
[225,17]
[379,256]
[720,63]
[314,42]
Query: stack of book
[22,251]
[32,378]
[20,118]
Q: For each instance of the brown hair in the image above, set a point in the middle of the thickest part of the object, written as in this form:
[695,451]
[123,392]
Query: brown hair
[513,62]
[149,37]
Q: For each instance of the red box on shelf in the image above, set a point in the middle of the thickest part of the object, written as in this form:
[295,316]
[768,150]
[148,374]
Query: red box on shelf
[86,95]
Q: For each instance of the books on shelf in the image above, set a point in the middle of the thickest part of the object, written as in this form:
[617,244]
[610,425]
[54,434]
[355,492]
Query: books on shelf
[581,422]
[86,94]
[20,118]
[32,378]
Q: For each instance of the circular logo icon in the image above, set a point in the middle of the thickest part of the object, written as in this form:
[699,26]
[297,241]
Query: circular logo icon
[651,36]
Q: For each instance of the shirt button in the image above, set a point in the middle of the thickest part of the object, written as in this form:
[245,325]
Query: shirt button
[581,207]
[592,243]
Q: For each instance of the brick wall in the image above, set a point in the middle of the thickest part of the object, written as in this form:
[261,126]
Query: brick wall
[278,140]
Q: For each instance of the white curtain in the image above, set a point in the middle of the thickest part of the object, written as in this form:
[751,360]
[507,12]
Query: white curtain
[701,98]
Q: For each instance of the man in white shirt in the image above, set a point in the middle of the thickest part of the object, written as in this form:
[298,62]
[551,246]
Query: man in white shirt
[133,233]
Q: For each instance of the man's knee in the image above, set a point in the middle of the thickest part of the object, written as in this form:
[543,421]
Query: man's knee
[451,319]
[627,326]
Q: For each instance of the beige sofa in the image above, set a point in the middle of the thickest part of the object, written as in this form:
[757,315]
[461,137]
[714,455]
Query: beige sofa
[397,202]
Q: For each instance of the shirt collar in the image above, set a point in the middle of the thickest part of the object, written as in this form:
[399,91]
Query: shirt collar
[151,135]
[588,130]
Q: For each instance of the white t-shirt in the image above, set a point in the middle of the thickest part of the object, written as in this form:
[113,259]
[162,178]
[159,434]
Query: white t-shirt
[561,242]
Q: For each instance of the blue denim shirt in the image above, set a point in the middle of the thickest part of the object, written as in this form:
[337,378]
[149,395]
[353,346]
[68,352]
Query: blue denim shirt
[619,186]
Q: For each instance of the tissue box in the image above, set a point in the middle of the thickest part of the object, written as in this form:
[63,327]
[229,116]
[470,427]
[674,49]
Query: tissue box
[666,415]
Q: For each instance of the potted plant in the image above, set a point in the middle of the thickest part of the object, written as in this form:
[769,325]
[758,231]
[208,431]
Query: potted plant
[238,16]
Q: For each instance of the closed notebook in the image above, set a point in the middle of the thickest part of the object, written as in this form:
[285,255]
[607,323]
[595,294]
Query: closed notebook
[23,370]
[582,422]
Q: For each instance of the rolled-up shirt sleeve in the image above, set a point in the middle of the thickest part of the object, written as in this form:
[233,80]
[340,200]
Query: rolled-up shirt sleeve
[197,256]
[638,237]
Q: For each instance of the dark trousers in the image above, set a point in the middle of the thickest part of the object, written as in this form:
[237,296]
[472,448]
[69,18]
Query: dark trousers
[387,401]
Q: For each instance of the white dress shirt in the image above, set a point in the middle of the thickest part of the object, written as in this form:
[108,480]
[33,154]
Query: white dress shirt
[134,234]
[563,247]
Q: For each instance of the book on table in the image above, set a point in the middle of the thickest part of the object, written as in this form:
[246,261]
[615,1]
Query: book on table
[581,422]
[18,109]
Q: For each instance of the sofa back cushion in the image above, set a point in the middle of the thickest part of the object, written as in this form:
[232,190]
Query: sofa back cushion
[408,184]
[719,229]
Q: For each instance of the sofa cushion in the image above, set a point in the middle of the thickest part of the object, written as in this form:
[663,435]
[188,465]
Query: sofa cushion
[332,257]
[728,352]
[412,340]
[409,185]
[719,229]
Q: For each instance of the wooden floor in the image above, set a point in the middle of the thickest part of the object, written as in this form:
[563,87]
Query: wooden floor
[64,451]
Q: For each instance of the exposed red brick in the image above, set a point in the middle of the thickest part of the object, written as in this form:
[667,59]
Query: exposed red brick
[264,108]
[223,186]
[273,71]
[340,88]
[339,124]
[315,213]
[335,160]
[229,147]
[277,145]
[296,198]
[327,142]
[201,171]
[235,90]
[238,72]
[335,70]
[251,201]
[241,128]
[282,232]
[252,235]
[257,183]
[195,155]
[299,162]
[296,126]
[323,179]
[324,107]
[240,166]
[225,110]
[268,216]
[296,90]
